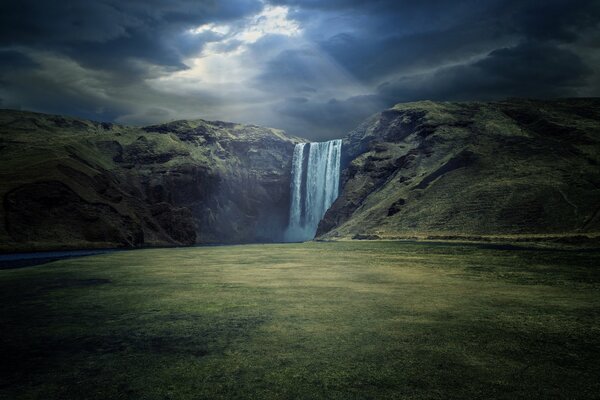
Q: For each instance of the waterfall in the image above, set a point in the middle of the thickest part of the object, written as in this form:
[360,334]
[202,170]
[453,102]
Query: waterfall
[314,186]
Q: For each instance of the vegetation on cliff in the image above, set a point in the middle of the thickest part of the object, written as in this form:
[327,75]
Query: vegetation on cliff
[73,183]
[451,170]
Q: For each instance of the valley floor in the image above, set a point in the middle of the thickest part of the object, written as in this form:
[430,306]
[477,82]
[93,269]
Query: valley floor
[344,320]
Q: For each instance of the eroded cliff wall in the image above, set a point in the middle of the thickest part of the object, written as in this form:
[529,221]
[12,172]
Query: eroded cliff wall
[70,183]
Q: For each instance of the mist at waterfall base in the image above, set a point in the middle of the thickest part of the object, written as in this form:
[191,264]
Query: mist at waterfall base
[314,187]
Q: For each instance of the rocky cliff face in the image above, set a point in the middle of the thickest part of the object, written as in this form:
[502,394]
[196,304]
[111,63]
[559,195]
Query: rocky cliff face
[455,169]
[69,183]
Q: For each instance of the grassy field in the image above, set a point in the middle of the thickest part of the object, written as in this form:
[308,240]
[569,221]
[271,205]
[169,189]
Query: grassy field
[317,320]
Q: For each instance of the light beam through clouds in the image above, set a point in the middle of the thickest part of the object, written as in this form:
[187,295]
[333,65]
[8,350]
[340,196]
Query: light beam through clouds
[232,67]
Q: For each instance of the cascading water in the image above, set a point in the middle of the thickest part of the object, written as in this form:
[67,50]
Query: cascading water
[314,186]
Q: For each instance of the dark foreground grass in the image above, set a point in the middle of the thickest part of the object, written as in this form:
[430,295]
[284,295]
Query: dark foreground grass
[316,320]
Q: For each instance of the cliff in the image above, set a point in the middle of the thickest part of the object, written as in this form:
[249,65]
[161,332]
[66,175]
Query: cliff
[72,183]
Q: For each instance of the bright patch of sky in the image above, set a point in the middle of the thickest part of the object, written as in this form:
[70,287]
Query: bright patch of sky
[234,58]
[224,58]
[271,21]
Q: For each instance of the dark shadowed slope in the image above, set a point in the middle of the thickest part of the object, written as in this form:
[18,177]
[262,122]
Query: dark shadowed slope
[69,183]
[516,167]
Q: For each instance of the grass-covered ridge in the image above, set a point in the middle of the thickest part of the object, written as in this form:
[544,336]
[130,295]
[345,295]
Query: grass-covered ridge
[468,169]
[317,320]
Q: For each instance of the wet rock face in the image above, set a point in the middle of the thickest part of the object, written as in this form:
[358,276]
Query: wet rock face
[512,167]
[241,192]
[81,184]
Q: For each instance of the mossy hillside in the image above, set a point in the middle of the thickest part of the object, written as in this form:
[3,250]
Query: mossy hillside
[517,167]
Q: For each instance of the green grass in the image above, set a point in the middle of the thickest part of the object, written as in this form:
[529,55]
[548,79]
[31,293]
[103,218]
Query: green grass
[318,320]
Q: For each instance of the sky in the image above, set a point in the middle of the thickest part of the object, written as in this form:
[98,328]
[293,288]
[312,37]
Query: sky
[314,68]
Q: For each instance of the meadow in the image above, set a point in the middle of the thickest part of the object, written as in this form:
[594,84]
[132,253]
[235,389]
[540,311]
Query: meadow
[339,320]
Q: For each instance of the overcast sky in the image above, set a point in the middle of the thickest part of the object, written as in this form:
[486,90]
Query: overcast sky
[315,68]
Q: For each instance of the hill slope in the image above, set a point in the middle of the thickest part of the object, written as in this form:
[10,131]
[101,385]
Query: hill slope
[443,170]
[71,183]
[458,169]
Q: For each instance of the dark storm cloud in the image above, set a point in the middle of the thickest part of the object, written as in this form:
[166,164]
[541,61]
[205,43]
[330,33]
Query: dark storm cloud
[526,70]
[456,50]
[93,56]
[117,60]
[11,59]
[445,50]
[108,33]
[316,119]
[381,37]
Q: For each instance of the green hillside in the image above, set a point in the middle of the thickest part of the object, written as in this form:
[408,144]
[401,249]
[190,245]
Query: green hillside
[511,170]
[470,170]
